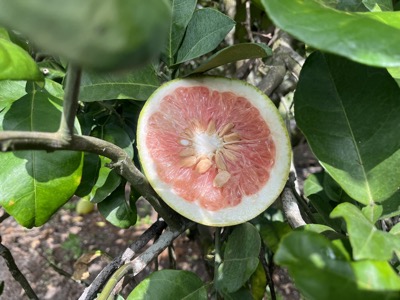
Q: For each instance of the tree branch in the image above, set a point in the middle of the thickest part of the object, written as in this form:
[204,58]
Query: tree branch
[16,273]
[70,105]
[91,291]
[140,262]
[23,140]
[289,204]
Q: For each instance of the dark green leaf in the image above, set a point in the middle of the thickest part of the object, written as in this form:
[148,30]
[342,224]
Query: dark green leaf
[16,63]
[351,125]
[170,285]
[206,29]
[344,33]
[107,181]
[137,85]
[34,184]
[182,11]
[97,34]
[321,271]
[90,173]
[242,294]
[240,258]
[314,191]
[117,210]
[391,206]
[367,241]
[272,232]
[234,53]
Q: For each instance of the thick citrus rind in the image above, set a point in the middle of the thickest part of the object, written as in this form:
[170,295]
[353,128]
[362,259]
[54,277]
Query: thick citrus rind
[250,206]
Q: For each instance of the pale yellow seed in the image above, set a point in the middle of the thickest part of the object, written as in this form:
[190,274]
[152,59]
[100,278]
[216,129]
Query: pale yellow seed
[232,137]
[204,165]
[189,151]
[189,161]
[211,128]
[229,155]
[227,128]
[221,179]
[219,161]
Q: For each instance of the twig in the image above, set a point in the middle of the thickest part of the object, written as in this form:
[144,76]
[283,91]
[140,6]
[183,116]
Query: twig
[140,262]
[91,291]
[268,270]
[70,104]
[16,273]
[290,205]
[24,140]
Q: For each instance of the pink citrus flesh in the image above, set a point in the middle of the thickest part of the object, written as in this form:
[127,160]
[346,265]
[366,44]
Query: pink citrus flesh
[214,149]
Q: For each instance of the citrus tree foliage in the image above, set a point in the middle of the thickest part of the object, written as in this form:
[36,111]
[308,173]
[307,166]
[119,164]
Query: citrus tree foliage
[346,104]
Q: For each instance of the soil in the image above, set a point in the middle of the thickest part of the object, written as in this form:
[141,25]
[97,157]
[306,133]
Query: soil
[46,255]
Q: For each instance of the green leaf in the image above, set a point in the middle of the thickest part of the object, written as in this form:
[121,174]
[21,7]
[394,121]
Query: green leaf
[240,258]
[343,33]
[107,181]
[321,271]
[100,34]
[170,285]
[395,72]
[258,283]
[117,209]
[137,85]
[372,212]
[272,232]
[234,53]
[367,241]
[182,11]
[34,184]
[395,229]
[90,173]
[350,115]
[345,5]
[16,63]
[11,90]
[315,192]
[206,29]
[241,294]
[54,88]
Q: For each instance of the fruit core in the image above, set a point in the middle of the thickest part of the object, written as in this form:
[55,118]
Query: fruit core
[211,147]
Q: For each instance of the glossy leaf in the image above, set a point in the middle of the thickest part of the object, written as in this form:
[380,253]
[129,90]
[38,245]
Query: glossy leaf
[138,85]
[344,33]
[315,192]
[395,72]
[90,173]
[351,126]
[367,241]
[206,29]
[170,285]
[240,258]
[182,11]
[321,271]
[234,53]
[34,184]
[107,181]
[16,63]
[345,5]
[100,34]
[117,210]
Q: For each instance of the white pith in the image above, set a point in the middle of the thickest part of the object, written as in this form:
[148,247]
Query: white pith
[207,144]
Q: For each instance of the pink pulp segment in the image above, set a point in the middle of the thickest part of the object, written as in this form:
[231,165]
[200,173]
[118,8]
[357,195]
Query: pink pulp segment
[210,147]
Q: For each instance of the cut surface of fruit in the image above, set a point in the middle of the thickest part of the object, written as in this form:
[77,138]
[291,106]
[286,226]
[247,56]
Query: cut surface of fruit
[215,149]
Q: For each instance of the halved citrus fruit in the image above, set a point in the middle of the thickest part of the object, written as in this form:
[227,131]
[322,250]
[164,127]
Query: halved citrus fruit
[215,149]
